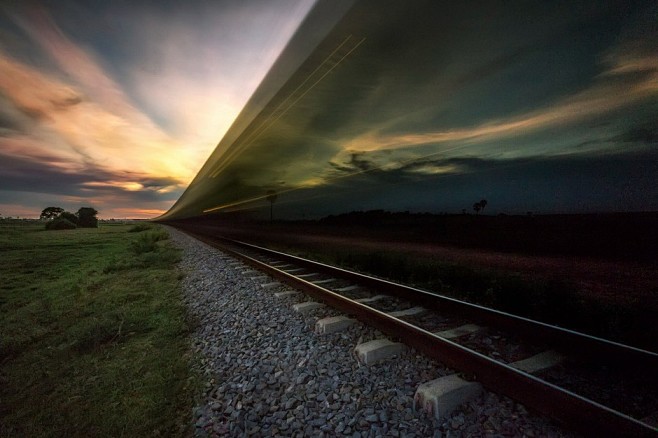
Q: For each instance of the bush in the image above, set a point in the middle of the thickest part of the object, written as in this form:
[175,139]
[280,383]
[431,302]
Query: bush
[139,227]
[148,242]
[87,217]
[69,217]
[60,223]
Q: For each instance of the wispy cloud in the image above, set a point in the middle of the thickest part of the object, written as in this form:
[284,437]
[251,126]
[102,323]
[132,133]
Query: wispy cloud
[605,95]
[76,122]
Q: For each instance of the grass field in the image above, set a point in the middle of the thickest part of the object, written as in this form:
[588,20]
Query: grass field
[93,334]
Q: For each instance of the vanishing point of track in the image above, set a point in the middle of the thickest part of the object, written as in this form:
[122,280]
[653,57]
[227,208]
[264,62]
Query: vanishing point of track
[573,410]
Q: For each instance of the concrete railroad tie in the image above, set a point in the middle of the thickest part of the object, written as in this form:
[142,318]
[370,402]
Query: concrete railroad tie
[462,330]
[539,362]
[441,396]
[328,280]
[333,324]
[285,293]
[270,285]
[377,350]
[307,307]
[370,299]
[407,312]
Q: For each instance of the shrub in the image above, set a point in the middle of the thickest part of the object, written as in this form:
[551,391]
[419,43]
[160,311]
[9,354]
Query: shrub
[60,224]
[147,242]
[69,217]
[139,227]
[87,217]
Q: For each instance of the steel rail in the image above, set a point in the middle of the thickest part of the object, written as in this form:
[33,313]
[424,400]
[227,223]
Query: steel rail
[582,345]
[572,410]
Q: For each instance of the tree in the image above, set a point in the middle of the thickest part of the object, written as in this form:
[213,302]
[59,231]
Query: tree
[479,206]
[271,196]
[87,217]
[51,212]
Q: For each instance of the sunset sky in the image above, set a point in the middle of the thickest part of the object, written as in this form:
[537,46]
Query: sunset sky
[116,105]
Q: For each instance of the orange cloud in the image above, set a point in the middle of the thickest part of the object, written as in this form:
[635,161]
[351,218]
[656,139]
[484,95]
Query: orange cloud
[93,116]
[136,213]
[72,129]
[34,94]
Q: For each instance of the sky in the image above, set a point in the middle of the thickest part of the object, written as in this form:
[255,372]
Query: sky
[117,105]
[425,106]
[189,108]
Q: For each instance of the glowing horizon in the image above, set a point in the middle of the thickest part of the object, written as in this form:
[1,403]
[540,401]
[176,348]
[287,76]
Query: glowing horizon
[123,120]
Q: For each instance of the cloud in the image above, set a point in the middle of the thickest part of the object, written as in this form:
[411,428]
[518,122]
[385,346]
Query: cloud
[81,138]
[31,170]
[145,98]
[110,124]
[35,95]
[602,97]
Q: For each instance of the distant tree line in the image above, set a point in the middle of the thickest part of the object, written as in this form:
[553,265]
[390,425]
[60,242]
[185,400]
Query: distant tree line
[59,219]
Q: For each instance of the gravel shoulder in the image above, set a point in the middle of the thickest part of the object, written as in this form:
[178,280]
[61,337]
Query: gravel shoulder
[266,373]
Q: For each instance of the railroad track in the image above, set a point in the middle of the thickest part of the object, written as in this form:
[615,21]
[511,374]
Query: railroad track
[547,368]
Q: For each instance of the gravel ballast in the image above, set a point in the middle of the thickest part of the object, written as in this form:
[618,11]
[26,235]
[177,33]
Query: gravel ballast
[266,373]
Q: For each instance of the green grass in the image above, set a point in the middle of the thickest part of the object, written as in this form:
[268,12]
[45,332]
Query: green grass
[93,334]
[139,228]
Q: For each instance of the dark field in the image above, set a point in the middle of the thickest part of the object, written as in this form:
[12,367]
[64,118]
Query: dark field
[592,273]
